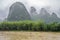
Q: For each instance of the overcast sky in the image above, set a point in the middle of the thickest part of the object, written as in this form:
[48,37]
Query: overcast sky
[37,3]
[54,4]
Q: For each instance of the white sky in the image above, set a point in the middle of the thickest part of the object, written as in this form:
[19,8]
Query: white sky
[36,3]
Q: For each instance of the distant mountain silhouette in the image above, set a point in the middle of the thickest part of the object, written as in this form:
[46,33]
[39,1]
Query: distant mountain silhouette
[18,12]
[45,16]
[49,18]
[32,12]
[54,18]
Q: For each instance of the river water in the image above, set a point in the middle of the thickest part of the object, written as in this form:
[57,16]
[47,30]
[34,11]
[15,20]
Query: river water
[29,35]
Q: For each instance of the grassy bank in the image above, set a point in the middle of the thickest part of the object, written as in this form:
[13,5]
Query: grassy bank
[29,26]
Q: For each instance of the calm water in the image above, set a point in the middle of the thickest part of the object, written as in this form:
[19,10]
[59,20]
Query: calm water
[29,35]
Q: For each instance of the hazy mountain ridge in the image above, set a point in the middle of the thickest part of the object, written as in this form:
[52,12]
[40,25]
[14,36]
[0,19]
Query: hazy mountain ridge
[17,11]
[46,16]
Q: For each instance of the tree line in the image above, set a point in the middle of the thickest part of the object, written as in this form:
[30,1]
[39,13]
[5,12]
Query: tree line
[29,26]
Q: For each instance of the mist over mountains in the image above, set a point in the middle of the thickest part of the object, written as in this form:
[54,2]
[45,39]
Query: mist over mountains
[50,5]
[18,12]
[42,13]
[45,16]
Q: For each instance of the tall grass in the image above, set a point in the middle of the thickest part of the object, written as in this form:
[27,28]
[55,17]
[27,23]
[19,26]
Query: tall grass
[29,26]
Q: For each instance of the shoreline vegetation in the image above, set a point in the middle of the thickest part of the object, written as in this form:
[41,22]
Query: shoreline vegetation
[30,26]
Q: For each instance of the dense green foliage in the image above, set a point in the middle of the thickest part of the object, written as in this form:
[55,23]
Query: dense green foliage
[29,26]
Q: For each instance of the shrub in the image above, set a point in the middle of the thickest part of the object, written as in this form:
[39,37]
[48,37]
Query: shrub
[29,26]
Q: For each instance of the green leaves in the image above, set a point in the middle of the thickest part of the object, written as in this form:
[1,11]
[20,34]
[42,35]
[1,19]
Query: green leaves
[29,26]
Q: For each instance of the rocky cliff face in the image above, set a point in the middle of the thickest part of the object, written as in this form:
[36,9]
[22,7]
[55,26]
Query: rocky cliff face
[33,12]
[18,12]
